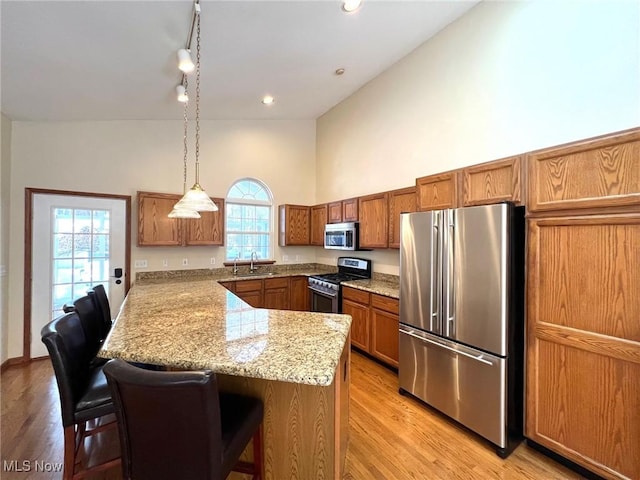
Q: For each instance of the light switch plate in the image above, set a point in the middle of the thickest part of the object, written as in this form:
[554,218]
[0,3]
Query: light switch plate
[140,264]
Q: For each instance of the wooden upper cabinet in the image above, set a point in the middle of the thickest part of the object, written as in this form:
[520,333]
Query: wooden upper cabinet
[208,229]
[334,212]
[350,210]
[400,201]
[492,182]
[599,172]
[318,222]
[436,192]
[294,223]
[374,220]
[155,228]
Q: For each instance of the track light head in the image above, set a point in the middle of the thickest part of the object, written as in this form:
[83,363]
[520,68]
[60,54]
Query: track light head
[185,63]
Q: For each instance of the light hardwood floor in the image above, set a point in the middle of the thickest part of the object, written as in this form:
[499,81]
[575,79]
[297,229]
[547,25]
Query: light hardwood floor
[391,437]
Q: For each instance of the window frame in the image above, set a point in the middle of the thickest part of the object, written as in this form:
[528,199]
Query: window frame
[230,201]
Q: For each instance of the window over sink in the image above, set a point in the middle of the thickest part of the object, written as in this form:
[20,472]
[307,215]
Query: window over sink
[249,213]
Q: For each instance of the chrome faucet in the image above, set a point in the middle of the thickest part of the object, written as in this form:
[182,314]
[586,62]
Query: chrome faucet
[253,268]
[235,265]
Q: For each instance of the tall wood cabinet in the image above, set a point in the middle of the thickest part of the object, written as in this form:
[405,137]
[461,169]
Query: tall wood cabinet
[583,305]
[155,228]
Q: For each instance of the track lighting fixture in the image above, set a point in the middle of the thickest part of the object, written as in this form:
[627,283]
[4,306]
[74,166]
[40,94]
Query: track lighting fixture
[196,198]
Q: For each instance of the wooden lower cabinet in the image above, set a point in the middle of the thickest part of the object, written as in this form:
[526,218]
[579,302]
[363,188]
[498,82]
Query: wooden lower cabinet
[359,323]
[251,291]
[231,286]
[583,340]
[299,294]
[276,293]
[374,324]
[281,293]
[384,328]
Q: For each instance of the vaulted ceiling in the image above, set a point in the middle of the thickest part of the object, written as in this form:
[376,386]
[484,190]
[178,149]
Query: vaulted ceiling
[116,60]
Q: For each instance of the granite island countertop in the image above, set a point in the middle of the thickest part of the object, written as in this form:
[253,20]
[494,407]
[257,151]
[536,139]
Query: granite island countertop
[198,324]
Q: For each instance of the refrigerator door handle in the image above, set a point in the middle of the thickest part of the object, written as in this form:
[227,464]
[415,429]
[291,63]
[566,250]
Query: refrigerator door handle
[478,358]
[435,251]
[449,313]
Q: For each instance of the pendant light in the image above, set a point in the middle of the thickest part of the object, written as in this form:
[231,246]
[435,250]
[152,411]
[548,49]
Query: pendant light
[180,211]
[196,198]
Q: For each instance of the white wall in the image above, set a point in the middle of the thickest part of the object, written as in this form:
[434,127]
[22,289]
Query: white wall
[506,78]
[5,173]
[125,156]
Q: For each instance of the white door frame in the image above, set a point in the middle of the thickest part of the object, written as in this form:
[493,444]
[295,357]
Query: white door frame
[28,265]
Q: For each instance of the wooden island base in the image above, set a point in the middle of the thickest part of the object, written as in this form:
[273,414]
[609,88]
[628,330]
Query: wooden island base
[305,427]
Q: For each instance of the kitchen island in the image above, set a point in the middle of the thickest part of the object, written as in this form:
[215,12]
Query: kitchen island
[296,362]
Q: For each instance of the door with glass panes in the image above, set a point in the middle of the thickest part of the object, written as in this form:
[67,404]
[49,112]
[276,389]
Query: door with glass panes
[77,242]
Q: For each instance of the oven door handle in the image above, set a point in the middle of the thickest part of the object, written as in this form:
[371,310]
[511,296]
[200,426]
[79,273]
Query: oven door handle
[322,292]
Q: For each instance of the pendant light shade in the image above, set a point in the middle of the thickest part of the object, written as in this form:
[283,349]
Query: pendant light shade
[197,199]
[178,212]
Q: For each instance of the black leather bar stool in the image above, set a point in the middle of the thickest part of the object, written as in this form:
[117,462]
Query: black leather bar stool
[83,389]
[101,304]
[176,425]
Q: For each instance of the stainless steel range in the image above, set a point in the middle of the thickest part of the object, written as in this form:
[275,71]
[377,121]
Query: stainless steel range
[325,292]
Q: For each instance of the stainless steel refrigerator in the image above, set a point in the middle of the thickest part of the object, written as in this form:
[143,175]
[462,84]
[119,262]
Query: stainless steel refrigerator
[461,316]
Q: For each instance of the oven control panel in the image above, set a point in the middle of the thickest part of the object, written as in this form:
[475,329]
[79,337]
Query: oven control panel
[324,286]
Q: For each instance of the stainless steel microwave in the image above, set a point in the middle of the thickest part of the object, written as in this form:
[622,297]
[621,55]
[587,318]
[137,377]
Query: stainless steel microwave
[341,236]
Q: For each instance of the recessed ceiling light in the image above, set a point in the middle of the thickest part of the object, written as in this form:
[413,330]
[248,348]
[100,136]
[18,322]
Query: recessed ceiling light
[268,100]
[351,5]
[339,71]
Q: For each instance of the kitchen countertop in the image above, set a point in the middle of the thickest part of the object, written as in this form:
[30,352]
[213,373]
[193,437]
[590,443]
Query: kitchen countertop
[382,284]
[388,286]
[198,324]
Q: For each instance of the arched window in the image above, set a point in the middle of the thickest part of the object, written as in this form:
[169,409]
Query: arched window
[249,212]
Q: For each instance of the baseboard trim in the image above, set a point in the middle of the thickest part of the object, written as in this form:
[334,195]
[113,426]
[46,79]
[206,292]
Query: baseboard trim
[10,362]
[588,474]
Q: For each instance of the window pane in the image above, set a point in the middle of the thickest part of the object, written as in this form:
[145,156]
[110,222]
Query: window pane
[81,270]
[62,271]
[62,220]
[234,224]
[234,210]
[100,245]
[263,213]
[61,294]
[81,245]
[262,226]
[62,245]
[82,221]
[100,221]
[80,289]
